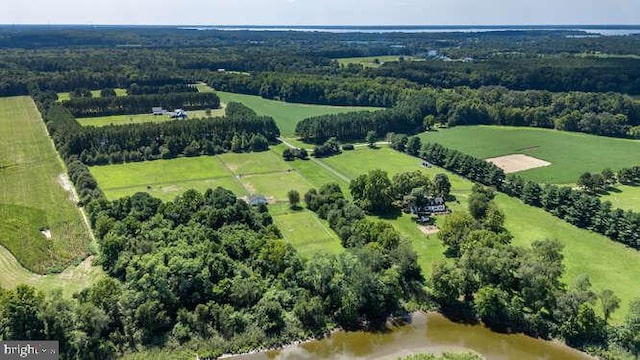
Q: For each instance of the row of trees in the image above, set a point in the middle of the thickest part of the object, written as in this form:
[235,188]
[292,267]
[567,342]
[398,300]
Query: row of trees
[514,289]
[239,130]
[574,206]
[314,89]
[554,73]
[405,117]
[140,104]
[594,113]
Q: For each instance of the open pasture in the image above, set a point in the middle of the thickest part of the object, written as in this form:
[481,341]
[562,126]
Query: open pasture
[570,154]
[305,231]
[624,197]
[142,118]
[585,252]
[95,93]
[374,61]
[286,115]
[39,222]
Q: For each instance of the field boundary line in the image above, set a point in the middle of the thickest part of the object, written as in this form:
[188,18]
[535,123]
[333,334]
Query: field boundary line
[320,163]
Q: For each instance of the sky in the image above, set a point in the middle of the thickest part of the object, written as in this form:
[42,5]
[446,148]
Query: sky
[320,12]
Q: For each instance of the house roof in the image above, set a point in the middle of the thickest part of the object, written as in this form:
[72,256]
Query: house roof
[257,200]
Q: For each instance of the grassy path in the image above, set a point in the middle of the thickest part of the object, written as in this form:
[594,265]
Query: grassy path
[73,279]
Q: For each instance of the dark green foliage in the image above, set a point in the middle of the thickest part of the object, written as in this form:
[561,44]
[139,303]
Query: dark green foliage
[372,192]
[576,207]
[329,148]
[136,89]
[240,131]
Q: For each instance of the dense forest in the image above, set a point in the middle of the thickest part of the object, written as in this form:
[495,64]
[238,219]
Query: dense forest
[608,114]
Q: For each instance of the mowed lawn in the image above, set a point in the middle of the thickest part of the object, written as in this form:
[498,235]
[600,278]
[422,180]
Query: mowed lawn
[165,179]
[262,173]
[95,93]
[609,264]
[142,118]
[570,154]
[31,196]
[286,115]
[305,231]
[624,197]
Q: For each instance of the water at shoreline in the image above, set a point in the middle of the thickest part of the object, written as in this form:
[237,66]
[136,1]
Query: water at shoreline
[431,333]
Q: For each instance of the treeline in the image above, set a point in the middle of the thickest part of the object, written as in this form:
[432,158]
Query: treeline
[553,73]
[208,273]
[515,289]
[136,89]
[607,114]
[574,206]
[241,131]
[314,89]
[140,104]
[406,117]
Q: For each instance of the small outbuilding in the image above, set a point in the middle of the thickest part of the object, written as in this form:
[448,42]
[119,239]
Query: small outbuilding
[257,200]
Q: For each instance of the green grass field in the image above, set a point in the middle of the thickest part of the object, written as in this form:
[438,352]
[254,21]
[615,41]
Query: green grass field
[585,251]
[304,230]
[142,118]
[570,154]
[628,198]
[370,61]
[267,173]
[31,195]
[95,93]
[286,115]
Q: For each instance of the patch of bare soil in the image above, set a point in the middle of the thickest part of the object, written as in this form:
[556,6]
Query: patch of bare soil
[517,162]
[428,229]
[63,180]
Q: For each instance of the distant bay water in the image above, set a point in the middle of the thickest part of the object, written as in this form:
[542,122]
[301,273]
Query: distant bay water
[605,30]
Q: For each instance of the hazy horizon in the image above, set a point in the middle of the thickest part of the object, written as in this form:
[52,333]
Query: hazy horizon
[326,13]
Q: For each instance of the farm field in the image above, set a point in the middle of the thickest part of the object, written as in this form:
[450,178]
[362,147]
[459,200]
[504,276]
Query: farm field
[244,174]
[570,154]
[95,93]
[627,199]
[269,175]
[142,118]
[286,115]
[583,250]
[370,61]
[32,197]
[71,280]
[305,231]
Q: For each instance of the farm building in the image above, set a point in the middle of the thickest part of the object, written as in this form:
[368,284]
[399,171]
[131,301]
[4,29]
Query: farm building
[178,114]
[257,200]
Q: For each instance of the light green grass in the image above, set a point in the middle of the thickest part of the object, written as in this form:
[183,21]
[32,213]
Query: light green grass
[585,252]
[308,234]
[165,178]
[608,263]
[31,197]
[627,199]
[286,115]
[71,280]
[370,61]
[142,118]
[570,154]
[254,163]
[95,93]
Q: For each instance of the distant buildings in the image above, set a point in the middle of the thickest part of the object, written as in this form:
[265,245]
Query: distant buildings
[175,114]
